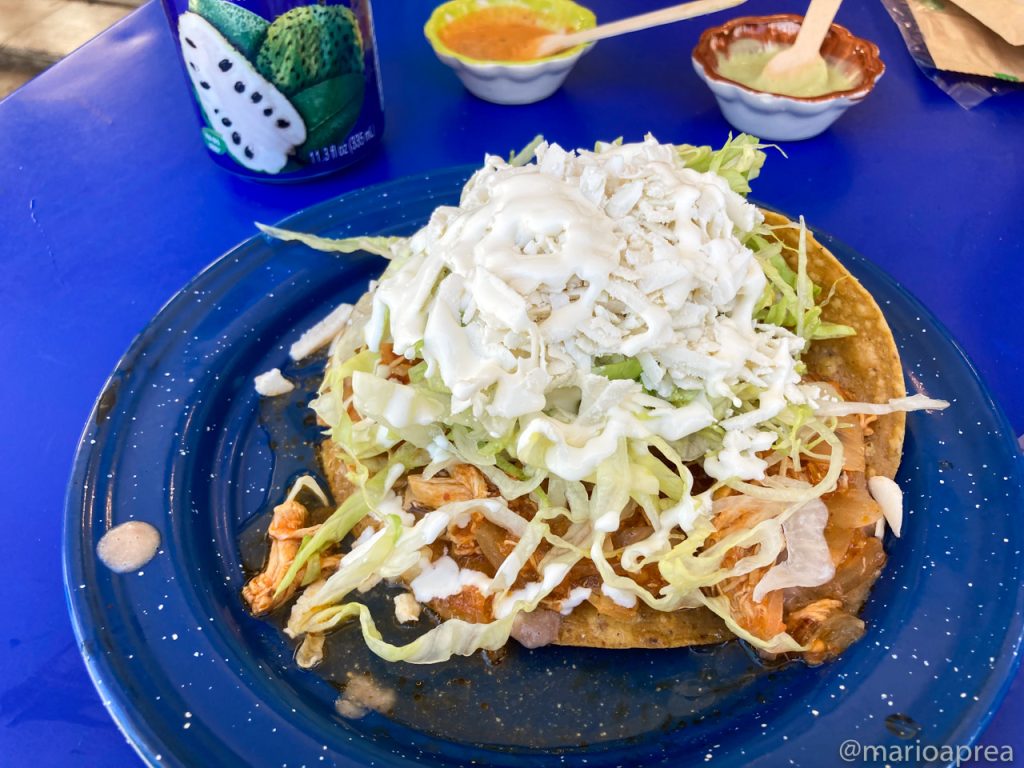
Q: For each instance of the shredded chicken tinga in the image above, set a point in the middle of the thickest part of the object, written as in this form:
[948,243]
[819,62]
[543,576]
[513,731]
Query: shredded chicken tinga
[606,402]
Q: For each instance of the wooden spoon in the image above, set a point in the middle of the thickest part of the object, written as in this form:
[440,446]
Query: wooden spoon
[802,66]
[560,41]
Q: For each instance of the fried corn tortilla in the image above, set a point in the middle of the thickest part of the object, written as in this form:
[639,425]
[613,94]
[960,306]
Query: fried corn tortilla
[867,368]
[867,365]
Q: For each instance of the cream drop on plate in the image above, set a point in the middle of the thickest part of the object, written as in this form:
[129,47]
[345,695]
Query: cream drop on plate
[128,547]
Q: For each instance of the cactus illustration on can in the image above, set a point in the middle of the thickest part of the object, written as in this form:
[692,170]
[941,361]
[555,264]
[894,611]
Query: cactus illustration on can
[282,97]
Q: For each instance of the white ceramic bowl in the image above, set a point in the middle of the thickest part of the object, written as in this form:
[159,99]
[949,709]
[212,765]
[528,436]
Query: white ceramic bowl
[772,116]
[511,82]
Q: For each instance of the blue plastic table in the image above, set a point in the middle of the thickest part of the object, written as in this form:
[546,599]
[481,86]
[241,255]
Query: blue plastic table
[108,205]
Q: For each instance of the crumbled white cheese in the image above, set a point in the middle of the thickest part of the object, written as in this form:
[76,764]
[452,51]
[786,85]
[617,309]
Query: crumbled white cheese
[406,608]
[545,270]
[890,499]
[738,457]
[321,334]
[272,383]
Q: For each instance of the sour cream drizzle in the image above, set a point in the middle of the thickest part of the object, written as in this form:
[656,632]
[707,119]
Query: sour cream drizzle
[444,578]
[545,271]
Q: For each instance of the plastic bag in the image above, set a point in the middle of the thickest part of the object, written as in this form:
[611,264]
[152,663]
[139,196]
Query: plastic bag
[966,90]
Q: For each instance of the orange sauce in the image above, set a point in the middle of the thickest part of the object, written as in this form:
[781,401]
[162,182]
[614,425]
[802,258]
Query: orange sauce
[495,34]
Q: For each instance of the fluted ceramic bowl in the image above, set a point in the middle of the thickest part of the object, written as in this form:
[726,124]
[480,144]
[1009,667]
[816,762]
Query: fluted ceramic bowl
[512,82]
[771,115]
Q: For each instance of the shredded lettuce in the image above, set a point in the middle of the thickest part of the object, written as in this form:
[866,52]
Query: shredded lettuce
[917,402]
[359,565]
[380,246]
[334,529]
[351,511]
[388,426]
[739,160]
[526,154]
[453,637]
[789,299]
[629,368]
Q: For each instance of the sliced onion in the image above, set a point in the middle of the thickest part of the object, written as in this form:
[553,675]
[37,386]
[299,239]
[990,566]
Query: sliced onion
[853,508]
[808,560]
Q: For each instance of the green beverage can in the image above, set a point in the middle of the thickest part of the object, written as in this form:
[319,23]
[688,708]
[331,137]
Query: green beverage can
[285,91]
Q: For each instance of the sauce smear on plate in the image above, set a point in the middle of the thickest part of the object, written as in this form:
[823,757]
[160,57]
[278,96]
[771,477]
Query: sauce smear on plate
[495,34]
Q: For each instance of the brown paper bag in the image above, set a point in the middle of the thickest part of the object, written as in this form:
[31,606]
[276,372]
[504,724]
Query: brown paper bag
[958,42]
[1004,17]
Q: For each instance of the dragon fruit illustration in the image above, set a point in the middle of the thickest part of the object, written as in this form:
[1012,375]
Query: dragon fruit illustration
[258,125]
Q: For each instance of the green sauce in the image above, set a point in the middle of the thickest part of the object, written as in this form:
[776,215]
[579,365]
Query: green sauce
[747,59]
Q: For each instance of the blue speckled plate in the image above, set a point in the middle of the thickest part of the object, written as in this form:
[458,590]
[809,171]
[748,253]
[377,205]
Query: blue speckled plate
[179,439]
